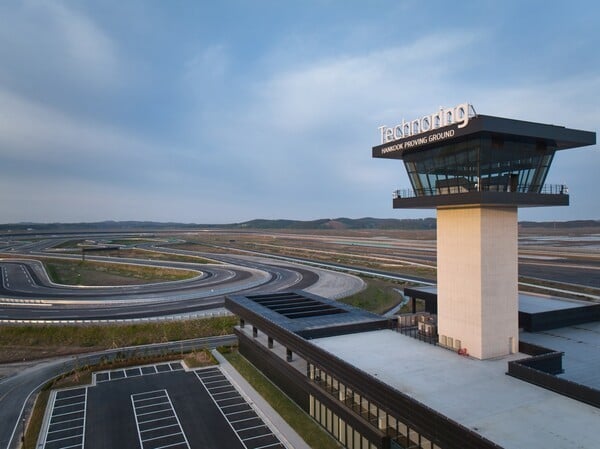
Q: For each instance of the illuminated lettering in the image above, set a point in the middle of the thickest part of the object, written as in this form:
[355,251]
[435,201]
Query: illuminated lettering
[458,115]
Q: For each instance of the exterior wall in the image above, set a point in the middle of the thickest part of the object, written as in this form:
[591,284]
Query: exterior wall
[290,381]
[477,280]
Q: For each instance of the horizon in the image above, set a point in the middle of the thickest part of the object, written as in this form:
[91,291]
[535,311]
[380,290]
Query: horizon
[151,111]
[23,223]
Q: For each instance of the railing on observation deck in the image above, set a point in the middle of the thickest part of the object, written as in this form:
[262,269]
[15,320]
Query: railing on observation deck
[546,189]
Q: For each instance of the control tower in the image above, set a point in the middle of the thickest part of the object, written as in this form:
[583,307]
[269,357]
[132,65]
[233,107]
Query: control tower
[476,170]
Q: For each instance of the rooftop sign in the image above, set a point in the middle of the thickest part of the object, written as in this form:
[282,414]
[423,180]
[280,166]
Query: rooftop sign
[458,115]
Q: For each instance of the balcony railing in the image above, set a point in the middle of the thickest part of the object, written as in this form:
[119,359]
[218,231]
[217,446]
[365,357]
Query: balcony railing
[546,189]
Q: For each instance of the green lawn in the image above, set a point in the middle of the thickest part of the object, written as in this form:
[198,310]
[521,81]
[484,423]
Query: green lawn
[303,424]
[379,296]
[28,342]
[76,272]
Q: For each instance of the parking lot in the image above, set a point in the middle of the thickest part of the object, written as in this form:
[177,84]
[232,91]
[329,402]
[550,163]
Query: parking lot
[156,406]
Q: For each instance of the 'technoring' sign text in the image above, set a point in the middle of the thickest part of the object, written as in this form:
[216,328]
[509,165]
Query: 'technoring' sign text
[459,115]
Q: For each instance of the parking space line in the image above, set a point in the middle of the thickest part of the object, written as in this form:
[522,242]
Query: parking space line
[62,430]
[164,398]
[76,425]
[253,427]
[157,428]
[212,377]
[152,405]
[70,397]
[65,414]
[259,436]
[245,419]
[157,419]
[169,445]
[73,446]
[147,399]
[215,382]
[68,405]
[232,405]
[163,436]
[244,402]
[64,438]
[241,411]
[151,413]
[225,392]
[269,445]
[68,420]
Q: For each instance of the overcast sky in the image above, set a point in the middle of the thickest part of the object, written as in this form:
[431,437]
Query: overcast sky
[225,111]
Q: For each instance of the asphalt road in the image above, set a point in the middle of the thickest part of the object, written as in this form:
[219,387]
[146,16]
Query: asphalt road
[17,392]
[26,292]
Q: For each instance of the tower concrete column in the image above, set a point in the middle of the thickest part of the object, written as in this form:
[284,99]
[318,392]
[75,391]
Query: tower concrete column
[478,280]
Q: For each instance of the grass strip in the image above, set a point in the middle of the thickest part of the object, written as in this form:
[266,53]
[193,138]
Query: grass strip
[28,342]
[135,253]
[379,296]
[72,272]
[311,432]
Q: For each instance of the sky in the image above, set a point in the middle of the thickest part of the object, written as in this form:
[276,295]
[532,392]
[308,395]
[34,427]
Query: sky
[222,112]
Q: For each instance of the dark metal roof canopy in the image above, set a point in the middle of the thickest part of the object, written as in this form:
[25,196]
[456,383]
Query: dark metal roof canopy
[491,161]
[558,137]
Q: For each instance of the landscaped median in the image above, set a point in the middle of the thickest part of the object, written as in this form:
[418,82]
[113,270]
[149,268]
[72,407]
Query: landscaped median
[76,272]
[311,432]
[30,342]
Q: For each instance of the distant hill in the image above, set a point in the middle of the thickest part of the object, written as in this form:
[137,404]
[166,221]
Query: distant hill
[340,223]
[323,224]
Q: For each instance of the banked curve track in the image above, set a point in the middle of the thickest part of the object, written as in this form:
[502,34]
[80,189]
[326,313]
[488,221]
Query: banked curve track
[28,295]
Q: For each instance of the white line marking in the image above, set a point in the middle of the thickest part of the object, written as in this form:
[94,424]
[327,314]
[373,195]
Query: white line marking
[226,392]
[64,414]
[151,413]
[171,445]
[157,428]
[64,430]
[226,415]
[241,411]
[245,419]
[215,382]
[172,415]
[151,405]
[69,447]
[259,436]
[253,427]
[164,436]
[149,399]
[269,445]
[212,377]
[232,405]
[68,405]
[84,418]
[65,438]
[157,419]
[68,420]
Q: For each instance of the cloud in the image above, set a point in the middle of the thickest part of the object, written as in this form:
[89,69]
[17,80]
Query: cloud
[51,44]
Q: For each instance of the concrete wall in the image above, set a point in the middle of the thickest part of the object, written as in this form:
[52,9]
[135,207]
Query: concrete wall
[477,280]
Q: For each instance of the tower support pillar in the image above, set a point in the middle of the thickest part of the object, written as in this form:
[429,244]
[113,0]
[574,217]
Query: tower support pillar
[478,280]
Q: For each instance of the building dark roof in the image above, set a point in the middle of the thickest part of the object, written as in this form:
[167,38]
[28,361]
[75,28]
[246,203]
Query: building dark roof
[558,137]
[305,314]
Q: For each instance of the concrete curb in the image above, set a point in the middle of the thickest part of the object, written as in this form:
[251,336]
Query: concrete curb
[285,432]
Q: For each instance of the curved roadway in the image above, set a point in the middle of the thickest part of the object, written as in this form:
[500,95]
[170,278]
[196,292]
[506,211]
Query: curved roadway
[26,292]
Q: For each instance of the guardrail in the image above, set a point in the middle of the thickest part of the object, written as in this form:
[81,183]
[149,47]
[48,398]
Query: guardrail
[546,189]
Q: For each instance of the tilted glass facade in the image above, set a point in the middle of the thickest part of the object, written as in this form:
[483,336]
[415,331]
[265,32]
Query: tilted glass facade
[482,163]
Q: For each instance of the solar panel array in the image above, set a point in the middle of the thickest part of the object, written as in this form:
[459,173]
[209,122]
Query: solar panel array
[293,305]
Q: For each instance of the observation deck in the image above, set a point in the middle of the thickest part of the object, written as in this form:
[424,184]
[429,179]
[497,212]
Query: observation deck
[491,162]
[491,195]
